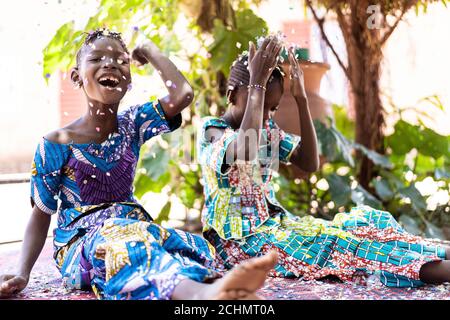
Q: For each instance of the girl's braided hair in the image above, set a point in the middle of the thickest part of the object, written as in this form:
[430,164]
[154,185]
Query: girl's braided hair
[98,34]
[240,75]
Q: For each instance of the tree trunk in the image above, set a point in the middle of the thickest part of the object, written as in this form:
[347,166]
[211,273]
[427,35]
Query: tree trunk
[365,57]
[369,116]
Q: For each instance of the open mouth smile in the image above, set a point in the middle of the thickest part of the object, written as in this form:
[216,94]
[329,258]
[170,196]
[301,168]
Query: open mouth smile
[109,81]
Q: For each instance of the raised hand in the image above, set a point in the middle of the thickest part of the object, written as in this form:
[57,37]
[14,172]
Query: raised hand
[11,285]
[263,61]
[297,83]
[142,53]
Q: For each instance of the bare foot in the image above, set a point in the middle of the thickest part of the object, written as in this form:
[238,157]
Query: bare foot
[242,281]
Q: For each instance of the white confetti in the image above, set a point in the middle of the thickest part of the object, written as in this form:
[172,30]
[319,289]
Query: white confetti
[238,45]
[168,83]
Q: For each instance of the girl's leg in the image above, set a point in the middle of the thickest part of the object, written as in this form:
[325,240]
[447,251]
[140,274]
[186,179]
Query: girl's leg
[137,260]
[239,283]
[435,272]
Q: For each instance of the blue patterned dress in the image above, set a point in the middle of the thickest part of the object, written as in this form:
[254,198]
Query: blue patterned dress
[104,239]
[242,219]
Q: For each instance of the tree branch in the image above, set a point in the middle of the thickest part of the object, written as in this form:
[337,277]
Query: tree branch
[391,29]
[320,22]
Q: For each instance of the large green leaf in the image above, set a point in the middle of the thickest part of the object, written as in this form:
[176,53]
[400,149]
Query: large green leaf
[61,50]
[340,189]
[332,144]
[144,184]
[425,164]
[383,189]
[229,42]
[376,158]
[361,196]
[404,138]
[343,123]
[432,231]
[155,161]
[164,213]
[410,224]
[432,144]
[417,200]
[427,142]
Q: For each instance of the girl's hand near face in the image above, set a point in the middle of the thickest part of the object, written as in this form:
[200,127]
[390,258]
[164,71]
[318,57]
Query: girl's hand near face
[297,82]
[180,91]
[142,54]
[263,61]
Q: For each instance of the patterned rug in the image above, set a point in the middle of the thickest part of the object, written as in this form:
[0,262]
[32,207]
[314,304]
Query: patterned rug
[45,284]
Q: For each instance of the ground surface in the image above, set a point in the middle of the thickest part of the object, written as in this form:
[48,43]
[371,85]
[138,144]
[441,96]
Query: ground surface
[45,284]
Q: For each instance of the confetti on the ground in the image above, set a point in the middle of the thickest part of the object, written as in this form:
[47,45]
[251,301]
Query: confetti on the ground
[238,45]
[45,284]
[98,129]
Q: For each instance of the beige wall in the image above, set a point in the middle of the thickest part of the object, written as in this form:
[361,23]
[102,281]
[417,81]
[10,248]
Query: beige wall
[28,107]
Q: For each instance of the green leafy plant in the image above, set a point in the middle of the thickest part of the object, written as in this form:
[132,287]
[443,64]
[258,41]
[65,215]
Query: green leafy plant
[415,154]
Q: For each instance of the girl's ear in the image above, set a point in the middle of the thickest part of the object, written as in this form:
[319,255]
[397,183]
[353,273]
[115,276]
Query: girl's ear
[75,77]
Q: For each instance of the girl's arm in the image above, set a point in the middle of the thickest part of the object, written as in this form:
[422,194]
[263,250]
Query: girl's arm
[34,239]
[305,156]
[181,94]
[261,63]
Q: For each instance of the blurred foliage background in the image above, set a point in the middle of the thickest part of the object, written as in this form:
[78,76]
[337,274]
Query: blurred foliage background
[413,158]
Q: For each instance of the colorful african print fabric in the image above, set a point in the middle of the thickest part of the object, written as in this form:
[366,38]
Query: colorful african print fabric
[104,239]
[243,219]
